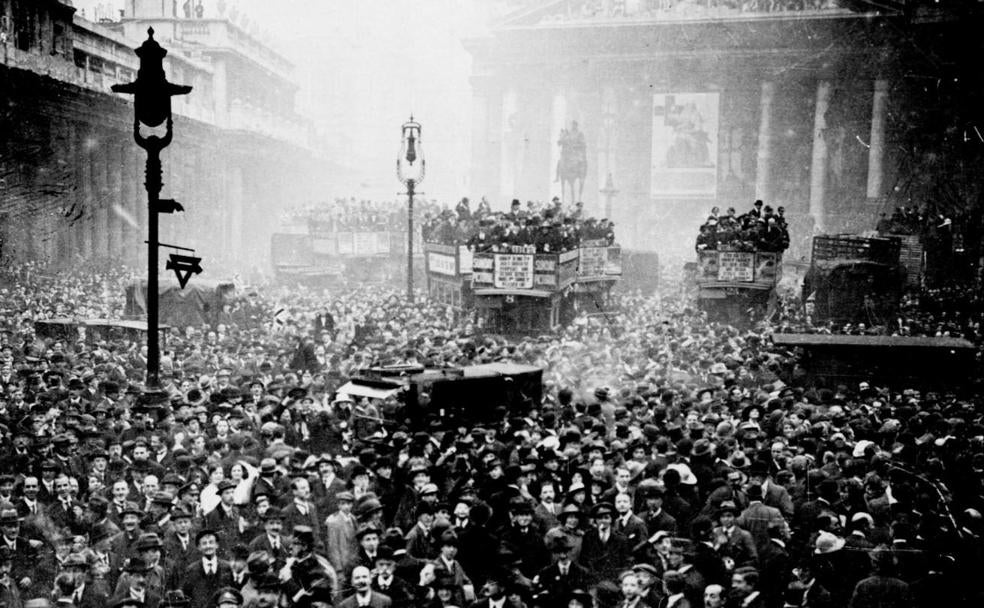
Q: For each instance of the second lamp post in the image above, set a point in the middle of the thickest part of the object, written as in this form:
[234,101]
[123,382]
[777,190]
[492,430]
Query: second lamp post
[410,170]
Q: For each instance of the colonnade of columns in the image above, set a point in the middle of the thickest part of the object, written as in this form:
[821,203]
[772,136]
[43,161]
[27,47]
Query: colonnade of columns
[495,172]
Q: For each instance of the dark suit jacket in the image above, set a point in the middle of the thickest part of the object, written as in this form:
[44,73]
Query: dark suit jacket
[95,595]
[740,547]
[177,556]
[400,592]
[199,587]
[604,561]
[293,517]
[554,588]
[634,531]
[151,600]
[376,600]
[661,521]
[262,543]
[226,527]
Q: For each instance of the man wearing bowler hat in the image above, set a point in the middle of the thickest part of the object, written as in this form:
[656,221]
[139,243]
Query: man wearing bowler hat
[136,589]
[604,552]
[271,540]
[207,574]
[553,584]
[148,548]
[179,541]
[305,567]
[226,520]
[524,538]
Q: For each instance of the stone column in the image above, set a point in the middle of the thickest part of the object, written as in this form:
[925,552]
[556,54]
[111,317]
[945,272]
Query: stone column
[558,120]
[763,176]
[87,222]
[116,200]
[818,168]
[507,148]
[130,197]
[100,198]
[73,198]
[876,151]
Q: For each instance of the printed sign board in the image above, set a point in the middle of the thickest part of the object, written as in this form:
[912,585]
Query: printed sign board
[346,243]
[736,266]
[513,271]
[464,260]
[592,262]
[440,263]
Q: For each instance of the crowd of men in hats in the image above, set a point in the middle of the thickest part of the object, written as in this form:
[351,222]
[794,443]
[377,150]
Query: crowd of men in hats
[551,228]
[673,463]
[758,229]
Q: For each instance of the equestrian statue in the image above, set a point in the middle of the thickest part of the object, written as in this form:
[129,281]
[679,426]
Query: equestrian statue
[573,164]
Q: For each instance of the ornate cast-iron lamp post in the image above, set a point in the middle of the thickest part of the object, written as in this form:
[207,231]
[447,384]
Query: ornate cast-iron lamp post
[152,107]
[410,170]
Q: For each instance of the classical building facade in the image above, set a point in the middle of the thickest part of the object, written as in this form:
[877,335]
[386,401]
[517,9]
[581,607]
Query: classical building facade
[807,105]
[71,177]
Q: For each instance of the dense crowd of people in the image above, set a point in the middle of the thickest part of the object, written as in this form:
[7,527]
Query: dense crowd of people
[672,463]
[759,229]
[539,228]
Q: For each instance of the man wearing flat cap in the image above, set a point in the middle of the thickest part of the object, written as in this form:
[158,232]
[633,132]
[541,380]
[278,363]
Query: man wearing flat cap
[340,533]
[225,519]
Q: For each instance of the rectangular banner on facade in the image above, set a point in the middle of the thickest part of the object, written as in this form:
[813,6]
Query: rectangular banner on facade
[365,243]
[440,263]
[464,260]
[685,145]
[736,266]
[513,271]
[346,243]
[592,262]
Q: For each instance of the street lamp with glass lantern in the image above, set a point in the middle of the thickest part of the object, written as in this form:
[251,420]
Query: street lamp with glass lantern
[410,170]
[152,107]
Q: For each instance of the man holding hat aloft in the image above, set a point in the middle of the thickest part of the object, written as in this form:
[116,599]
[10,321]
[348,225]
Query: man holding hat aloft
[604,552]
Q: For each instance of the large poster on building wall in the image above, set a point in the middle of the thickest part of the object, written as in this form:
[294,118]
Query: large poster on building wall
[685,141]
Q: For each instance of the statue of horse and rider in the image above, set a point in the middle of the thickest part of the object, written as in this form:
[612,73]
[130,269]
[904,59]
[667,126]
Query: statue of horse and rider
[573,164]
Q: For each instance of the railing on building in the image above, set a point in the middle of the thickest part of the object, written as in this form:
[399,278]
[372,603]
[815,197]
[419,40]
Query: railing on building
[622,11]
